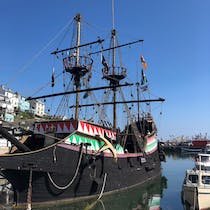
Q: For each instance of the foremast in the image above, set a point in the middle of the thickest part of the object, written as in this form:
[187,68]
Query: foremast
[77,65]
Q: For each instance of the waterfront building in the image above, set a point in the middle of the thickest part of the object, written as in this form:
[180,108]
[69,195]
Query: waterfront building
[11,103]
[37,107]
[23,105]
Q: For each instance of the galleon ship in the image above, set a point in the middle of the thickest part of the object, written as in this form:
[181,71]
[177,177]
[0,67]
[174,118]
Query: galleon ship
[66,158]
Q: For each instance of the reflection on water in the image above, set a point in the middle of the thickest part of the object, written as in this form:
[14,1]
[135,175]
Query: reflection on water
[179,155]
[146,196]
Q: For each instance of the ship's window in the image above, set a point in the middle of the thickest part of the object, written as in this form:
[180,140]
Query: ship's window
[204,158]
[206,179]
[193,178]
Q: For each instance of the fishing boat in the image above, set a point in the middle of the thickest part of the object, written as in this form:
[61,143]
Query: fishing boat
[73,158]
[196,186]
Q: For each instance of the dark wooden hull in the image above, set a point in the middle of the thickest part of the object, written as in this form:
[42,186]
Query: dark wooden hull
[61,164]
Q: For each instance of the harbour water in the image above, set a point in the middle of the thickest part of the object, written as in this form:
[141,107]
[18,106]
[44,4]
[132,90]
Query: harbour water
[162,193]
[174,170]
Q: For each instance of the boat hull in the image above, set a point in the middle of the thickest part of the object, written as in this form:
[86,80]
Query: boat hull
[203,198]
[189,196]
[196,197]
[55,176]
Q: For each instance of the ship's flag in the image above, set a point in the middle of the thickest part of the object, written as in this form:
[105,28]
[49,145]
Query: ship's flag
[103,61]
[53,78]
[144,88]
[143,77]
[143,62]
[86,95]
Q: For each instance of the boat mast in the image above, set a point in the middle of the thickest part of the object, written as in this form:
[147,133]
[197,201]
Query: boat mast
[113,38]
[113,73]
[138,98]
[114,77]
[76,64]
[77,79]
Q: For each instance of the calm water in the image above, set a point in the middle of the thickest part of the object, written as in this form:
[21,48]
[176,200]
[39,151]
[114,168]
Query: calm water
[174,170]
[165,192]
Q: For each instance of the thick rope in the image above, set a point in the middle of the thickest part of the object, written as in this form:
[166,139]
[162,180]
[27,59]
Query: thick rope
[74,177]
[29,194]
[103,187]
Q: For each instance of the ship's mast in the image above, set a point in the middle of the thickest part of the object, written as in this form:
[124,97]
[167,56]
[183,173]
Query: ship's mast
[113,73]
[138,98]
[112,76]
[113,37]
[76,64]
[77,80]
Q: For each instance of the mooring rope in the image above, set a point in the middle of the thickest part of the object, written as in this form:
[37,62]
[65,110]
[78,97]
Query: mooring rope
[103,187]
[29,194]
[74,177]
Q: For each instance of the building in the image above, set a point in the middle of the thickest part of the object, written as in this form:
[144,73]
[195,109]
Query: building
[37,107]
[23,105]
[6,109]
[11,103]
[3,106]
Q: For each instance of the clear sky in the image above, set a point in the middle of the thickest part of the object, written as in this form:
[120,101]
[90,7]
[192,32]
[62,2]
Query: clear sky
[176,48]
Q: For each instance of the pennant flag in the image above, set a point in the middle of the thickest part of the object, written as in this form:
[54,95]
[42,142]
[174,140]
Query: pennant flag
[143,62]
[143,78]
[53,79]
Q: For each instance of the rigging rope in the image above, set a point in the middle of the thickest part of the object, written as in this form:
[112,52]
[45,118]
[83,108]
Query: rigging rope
[133,124]
[103,187]
[46,85]
[73,178]
[63,105]
[24,68]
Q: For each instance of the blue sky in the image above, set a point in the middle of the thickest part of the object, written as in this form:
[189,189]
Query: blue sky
[176,48]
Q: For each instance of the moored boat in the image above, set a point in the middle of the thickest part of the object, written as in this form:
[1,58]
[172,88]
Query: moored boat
[202,161]
[196,186]
[72,158]
[189,150]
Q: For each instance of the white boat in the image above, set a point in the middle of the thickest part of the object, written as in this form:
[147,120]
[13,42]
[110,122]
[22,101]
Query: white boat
[207,149]
[202,161]
[196,186]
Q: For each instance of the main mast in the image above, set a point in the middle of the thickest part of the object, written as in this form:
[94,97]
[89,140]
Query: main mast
[114,77]
[113,73]
[113,37]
